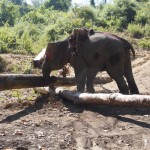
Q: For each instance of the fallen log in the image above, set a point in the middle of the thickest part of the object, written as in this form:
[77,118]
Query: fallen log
[18,81]
[103,98]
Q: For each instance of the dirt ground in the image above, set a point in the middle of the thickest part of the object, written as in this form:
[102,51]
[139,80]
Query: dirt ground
[29,120]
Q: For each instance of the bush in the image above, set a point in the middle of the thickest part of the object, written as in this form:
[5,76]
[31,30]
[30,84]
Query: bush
[136,30]
[86,12]
[67,22]
[118,14]
[141,18]
[7,39]
[144,43]
[26,43]
[147,30]
[8,13]
[34,17]
[62,5]
[52,33]
[142,12]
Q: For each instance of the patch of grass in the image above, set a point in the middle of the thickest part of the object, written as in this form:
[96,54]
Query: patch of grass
[144,43]
[18,95]
[14,69]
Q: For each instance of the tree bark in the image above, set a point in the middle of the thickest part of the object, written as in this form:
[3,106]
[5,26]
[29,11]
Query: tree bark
[107,99]
[18,81]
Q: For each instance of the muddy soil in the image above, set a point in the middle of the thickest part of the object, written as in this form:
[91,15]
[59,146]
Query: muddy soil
[29,120]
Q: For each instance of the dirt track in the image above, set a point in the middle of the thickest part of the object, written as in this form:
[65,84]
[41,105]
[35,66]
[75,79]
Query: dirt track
[48,122]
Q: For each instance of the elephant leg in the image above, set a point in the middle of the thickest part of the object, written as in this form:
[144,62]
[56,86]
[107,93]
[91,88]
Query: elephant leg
[80,74]
[91,73]
[80,80]
[130,79]
[116,72]
[121,83]
[46,69]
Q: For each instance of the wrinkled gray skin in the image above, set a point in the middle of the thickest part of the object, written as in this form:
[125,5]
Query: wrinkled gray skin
[100,52]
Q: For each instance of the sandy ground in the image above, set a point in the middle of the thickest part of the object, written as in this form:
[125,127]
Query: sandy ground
[46,122]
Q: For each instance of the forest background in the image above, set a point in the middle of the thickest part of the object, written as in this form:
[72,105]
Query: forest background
[27,28]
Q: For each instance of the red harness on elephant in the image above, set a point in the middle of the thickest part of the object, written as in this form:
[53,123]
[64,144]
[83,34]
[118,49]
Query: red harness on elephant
[49,55]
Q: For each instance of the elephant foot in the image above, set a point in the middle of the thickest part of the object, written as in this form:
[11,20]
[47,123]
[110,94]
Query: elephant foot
[81,90]
[135,91]
[124,91]
[91,90]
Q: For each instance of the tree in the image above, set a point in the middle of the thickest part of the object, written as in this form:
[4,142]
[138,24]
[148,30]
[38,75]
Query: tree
[7,13]
[104,1]
[17,2]
[25,8]
[128,9]
[58,5]
[119,14]
[92,2]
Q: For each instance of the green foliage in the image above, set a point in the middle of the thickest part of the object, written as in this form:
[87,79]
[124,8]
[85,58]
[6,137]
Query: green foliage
[17,2]
[86,12]
[27,29]
[92,2]
[58,5]
[118,14]
[37,3]
[26,42]
[7,39]
[144,43]
[24,9]
[34,17]
[141,17]
[147,30]
[51,33]
[128,9]
[136,30]
[143,13]
[8,13]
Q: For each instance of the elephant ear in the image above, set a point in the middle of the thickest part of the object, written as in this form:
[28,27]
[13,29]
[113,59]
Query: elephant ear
[50,50]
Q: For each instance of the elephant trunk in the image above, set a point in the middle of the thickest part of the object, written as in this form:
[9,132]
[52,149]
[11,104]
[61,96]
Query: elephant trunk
[46,69]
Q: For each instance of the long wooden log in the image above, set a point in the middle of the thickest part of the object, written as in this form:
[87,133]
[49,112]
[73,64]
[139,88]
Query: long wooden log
[103,98]
[18,81]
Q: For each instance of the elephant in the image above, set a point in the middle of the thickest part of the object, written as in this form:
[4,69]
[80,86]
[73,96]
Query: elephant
[99,52]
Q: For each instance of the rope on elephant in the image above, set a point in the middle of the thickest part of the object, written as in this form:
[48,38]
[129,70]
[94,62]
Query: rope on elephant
[77,38]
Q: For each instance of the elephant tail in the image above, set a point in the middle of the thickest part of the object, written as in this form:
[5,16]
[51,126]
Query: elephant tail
[128,46]
[132,49]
